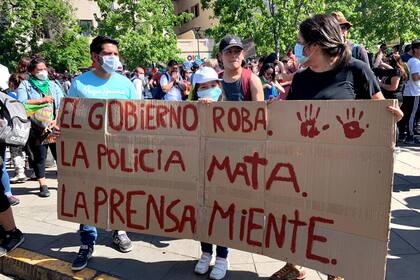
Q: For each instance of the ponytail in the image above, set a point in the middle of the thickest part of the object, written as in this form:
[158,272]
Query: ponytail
[344,55]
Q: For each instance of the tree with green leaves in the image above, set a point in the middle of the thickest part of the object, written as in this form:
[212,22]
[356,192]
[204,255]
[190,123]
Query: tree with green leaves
[396,21]
[68,51]
[143,28]
[46,27]
[273,24]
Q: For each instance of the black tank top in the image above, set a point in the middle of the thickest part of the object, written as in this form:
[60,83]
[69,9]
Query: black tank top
[233,91]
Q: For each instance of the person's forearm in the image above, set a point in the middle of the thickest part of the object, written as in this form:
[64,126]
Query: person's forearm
[36,101]
[279,88]
[378,96]
[387,87]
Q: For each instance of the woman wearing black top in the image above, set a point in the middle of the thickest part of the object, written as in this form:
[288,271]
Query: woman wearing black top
[331,73]
[392,84]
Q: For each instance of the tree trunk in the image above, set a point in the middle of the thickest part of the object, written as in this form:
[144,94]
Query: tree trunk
[272,8]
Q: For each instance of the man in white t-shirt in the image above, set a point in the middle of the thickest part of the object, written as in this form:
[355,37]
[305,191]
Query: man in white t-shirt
[4,77]
[172,83]
[411,97]
[139,82]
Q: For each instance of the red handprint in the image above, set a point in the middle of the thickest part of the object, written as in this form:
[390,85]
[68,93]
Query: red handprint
[308,127]
[352,128]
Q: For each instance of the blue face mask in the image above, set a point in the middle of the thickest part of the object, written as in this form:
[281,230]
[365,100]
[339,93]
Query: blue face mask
[299,54]
[110,63]
[210,93]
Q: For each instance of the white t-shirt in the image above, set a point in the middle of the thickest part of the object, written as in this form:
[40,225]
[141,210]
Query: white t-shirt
[138,85]
[174,94]
[412,88]
[4,77]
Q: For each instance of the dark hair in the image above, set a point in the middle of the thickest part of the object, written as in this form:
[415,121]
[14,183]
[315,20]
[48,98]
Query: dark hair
[99,41]
[172,63]
[324,30]
[266,67]
[407,48]
[52,74]
[16,78]
[382,45]
[271,58]
[23,64]
[34,62]
[396,63]
[396,48]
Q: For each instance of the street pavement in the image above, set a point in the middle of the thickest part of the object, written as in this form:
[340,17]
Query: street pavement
[156,257]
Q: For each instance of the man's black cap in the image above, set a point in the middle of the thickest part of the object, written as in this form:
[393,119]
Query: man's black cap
[230,41]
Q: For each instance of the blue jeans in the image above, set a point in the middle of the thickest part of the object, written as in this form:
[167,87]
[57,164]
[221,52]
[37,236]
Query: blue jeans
[221,252]
[88,235]
[5,180]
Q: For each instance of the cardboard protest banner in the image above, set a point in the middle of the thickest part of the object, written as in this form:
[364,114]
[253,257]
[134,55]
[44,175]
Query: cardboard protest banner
[308,182]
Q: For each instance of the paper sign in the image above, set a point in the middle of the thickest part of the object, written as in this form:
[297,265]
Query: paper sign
[308,182]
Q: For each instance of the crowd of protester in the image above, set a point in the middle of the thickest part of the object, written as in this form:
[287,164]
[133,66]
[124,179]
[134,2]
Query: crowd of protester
[323,64]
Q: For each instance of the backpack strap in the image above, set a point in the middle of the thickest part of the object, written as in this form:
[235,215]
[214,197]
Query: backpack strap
[246,83]
[354,50]
[167,76]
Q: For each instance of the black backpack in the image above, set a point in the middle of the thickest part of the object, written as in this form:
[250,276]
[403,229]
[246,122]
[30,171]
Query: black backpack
[14,123]
[157,92]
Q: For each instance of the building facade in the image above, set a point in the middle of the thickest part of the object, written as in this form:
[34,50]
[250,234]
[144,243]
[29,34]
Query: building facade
[191,39]
[202,19]
[84,11]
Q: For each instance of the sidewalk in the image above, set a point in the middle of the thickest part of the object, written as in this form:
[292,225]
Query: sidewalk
[169,259]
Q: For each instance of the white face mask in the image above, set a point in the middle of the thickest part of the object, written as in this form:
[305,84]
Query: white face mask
[42,75]
[110,63]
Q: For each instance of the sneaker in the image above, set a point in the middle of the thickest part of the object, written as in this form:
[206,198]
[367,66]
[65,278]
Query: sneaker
[121,239]
[332,277]
[13,200]
[12,240]
[43,191]
[219,269]
[289,272]
[203,264]
[81,261]
[18,179]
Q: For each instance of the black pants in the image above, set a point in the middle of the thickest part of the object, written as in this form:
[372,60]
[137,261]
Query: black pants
[4,202]
[39,153]
[409,107]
